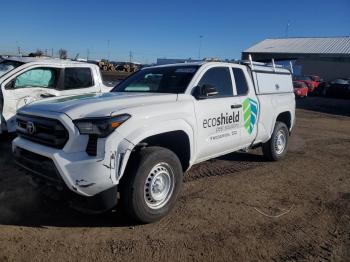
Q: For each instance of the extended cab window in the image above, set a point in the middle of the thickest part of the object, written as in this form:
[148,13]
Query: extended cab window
[37,77]
[77,77]
[220,79]
[241,81]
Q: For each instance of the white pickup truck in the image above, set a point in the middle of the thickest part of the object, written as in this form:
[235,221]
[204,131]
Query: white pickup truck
[135,143]
[25,79]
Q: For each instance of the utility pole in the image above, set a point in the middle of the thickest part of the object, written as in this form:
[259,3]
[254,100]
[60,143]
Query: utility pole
[287,29]
[109,50]
[87,54]
[18,48]
[130,57]
[200,47]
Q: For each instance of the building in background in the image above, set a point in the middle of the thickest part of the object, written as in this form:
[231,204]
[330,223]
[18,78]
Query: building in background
[328,57]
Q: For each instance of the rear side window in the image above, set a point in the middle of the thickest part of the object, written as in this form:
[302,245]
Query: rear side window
[220,78]
[76,77]
[241,81]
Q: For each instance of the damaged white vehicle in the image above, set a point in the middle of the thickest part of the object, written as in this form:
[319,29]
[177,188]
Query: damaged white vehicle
[25,79]
[134,144]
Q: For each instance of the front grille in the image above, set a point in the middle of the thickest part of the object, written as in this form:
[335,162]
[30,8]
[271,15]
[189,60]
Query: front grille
[42,130]
[37,164]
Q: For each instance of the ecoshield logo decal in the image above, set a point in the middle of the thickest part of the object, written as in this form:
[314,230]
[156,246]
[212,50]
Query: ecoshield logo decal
[250,112]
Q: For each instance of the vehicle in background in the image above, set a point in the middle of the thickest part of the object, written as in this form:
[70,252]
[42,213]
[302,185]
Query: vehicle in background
[300,89]
[338,88]
[25,79]
[317,80]
[311,84]
[135,143]
[111,83]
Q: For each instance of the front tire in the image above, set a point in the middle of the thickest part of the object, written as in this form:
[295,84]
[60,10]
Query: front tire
[276,148]
[151,184]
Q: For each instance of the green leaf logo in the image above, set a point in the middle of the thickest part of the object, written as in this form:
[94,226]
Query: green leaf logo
[250,112]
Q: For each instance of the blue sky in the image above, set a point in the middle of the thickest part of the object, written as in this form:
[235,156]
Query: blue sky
[171,29]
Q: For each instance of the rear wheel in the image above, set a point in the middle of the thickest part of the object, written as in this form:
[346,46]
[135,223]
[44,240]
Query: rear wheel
[151,184]
[276,148]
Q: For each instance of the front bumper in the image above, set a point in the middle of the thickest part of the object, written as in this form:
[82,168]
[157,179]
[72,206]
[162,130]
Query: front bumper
[48,180]
[77,171]
[83,181]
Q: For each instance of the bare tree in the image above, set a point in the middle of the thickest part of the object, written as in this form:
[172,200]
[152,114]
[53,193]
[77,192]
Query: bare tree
[63,54]
[38,52]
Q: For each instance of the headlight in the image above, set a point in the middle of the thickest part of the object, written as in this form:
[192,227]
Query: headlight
[102,127]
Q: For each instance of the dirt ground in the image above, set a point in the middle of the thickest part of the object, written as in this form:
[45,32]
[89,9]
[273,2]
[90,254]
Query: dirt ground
[235,208]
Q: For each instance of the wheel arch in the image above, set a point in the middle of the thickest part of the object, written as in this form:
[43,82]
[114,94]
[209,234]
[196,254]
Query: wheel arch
[286,118]
[179,140]
[176,141]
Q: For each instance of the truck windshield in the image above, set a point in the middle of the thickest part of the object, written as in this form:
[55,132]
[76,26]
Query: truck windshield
[7,65]
[171,79]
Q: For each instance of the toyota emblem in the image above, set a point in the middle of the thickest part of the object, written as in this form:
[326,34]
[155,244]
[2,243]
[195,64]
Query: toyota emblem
[30,128]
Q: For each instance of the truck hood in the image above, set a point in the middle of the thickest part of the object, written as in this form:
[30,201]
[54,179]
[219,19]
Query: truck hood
[96,104]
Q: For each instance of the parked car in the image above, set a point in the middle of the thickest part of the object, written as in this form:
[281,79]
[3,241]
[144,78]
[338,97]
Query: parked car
[24,80]
[300,89]
[339,88]
[311,84]
[137,141]
[317,80]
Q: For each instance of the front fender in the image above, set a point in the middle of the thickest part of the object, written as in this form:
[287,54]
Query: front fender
[139,134]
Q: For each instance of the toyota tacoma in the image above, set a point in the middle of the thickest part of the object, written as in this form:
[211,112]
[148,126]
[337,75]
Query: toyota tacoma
[134,144]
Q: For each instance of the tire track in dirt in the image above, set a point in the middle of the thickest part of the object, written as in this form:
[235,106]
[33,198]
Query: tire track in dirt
[222,167]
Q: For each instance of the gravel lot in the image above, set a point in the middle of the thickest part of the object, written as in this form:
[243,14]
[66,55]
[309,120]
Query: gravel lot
[236,208]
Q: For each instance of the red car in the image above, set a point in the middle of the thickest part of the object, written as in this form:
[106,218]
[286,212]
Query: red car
[300,89]
[311,84]
[316,80]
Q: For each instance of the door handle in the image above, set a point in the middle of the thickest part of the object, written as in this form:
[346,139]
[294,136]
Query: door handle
[46,95]
[236,106]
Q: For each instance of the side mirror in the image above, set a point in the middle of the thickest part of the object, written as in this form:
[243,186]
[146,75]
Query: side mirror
[205,91]
[10,85]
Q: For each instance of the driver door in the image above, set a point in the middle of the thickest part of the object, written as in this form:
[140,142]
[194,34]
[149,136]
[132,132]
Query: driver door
[26,87]
[219,117]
